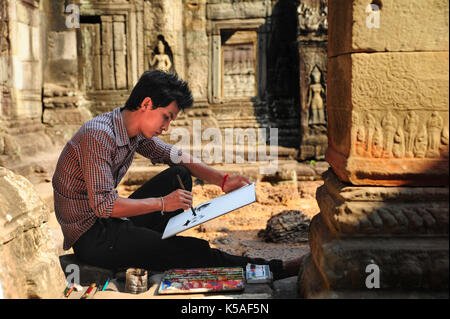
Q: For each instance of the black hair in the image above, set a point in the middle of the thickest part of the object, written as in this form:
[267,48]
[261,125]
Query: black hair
[163,88]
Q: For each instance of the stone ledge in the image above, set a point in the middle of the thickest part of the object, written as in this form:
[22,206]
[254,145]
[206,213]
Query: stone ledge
[141,171]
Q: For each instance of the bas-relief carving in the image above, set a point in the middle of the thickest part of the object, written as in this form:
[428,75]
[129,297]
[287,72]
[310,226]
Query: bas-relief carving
[405,80]
[313,19]
[385,135]
[161,57]
[311,37]
[238,63]
[315,101]
[434,125]
[239,70]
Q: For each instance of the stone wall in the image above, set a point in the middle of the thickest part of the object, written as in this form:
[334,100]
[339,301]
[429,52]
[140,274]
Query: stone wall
[40,104]
[241,59]
[21,63]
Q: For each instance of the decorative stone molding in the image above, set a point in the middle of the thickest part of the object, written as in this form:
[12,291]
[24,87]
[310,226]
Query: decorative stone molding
[375,136]
[382,211]
[401,230]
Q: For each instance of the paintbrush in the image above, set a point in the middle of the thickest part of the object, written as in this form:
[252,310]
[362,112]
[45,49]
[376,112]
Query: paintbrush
[182,186]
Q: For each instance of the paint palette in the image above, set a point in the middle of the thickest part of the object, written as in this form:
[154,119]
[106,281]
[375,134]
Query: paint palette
[202,280]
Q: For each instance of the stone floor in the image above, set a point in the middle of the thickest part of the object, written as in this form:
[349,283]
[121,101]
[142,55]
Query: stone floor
[280,289]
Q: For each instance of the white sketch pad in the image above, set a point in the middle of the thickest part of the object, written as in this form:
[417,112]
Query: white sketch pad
[211,209]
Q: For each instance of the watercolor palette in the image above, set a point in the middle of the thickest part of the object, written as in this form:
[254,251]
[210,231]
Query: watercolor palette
[202,280]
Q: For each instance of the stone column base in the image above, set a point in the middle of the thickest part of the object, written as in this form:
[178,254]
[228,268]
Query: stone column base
[377,242]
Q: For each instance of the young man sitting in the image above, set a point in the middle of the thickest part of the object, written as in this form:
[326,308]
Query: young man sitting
[113,232]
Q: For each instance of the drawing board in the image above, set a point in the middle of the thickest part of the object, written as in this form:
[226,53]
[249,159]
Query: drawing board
[211,209]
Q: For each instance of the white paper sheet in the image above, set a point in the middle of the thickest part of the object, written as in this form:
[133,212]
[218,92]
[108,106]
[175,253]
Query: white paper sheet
[211,209]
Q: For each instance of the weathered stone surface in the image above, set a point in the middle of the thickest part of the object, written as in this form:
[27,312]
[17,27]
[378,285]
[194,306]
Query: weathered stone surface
[66,116]
[387,126]
[373,211]
[220,10]
[312,49]
[405,263]
[289,226]
[404,25]
[388,118]
[29,266]
[402,230]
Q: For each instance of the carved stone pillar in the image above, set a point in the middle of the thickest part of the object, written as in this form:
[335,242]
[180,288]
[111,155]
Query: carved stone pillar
[387,126]
[312,45]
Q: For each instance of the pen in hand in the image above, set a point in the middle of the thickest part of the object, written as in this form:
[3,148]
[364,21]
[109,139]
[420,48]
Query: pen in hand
[182,186]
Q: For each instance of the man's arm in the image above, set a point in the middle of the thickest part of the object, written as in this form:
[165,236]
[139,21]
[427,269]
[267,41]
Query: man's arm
[129,207]
[211,175]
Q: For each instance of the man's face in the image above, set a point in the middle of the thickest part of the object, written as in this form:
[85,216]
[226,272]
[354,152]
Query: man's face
[155,121]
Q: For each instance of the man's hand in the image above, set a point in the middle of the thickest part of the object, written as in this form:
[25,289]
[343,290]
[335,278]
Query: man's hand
[234,182]
[177,199]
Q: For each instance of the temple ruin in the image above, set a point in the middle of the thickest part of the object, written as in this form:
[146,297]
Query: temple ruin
[361,84]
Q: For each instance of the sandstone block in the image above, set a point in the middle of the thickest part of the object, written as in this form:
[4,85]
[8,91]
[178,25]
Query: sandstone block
[66,116]
[29,266]
[403,25]
[238,10]
[388,118]
[405,264]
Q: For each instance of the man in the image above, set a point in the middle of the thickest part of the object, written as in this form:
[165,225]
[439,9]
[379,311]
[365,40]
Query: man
[113,232]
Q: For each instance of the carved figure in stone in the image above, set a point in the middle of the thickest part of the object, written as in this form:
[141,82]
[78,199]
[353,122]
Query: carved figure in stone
[398,148]
[311,19]
[410,125]
[359,135]
[315,101]
[434,125]
[420,143]
[360,139]
[389,124]
[161,61]
[377,149]
[370,124]
[238,71]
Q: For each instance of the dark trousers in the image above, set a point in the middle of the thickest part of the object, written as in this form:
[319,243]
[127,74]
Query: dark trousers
[115,243]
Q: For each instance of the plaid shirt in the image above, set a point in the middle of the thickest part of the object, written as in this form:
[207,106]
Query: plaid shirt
[91,166]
